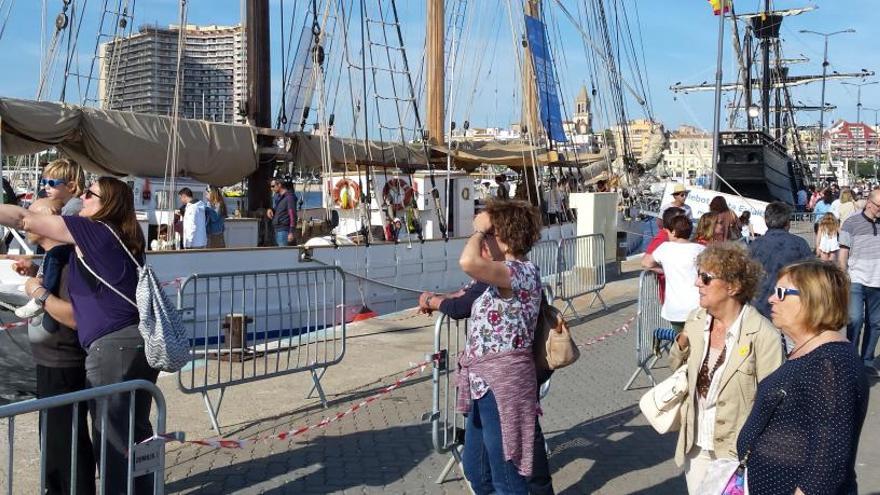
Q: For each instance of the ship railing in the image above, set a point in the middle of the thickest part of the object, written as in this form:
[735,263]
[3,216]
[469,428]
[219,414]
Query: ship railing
[750,137]
[581,270]
[61,419]
[447,425]
[255,325]
[653,332]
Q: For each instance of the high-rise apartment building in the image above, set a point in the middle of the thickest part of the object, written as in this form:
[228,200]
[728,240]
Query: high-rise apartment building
[138,72]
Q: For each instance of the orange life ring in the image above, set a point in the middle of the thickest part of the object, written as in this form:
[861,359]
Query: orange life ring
[389,198]
[347,194]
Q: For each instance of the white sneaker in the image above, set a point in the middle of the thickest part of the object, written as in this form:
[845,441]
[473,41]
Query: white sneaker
[31,309]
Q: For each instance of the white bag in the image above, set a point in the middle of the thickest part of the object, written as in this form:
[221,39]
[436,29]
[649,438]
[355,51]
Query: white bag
[662,404]
[718,476]
[165,342]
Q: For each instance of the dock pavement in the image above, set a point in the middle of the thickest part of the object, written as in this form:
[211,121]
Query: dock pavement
[598,441]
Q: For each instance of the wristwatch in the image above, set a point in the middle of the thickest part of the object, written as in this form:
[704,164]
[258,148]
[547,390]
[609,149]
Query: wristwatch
[41,299]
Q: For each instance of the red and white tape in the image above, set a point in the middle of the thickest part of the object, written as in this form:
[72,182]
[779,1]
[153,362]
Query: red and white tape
[621,329]
[227,443]
[10,326]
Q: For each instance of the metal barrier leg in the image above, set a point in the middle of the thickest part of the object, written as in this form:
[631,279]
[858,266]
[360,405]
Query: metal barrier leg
[316,386]
[570,305]
[599,297]
[213,412]
[645,367]
[448,467]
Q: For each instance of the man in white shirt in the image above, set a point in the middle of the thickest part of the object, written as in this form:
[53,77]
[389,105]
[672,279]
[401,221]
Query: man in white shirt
[195,235]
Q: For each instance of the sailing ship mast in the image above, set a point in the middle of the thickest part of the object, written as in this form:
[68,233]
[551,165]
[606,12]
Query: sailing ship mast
[258,105]
[436,77]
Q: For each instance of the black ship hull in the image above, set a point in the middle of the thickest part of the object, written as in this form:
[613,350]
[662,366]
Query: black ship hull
[753,165]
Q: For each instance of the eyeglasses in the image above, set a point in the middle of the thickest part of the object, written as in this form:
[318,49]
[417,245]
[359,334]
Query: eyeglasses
[680,194]
[706,278]
[781,292]
[89,193]
[53,183]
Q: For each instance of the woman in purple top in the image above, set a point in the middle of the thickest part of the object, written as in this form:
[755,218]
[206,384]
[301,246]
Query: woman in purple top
[106,324]
[496,375]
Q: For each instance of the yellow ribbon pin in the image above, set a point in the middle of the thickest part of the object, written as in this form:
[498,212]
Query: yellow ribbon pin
[743,350]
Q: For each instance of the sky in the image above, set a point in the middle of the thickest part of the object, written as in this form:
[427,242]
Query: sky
[678,40]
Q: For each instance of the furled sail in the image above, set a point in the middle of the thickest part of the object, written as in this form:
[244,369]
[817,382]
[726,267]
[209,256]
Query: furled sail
[111,142]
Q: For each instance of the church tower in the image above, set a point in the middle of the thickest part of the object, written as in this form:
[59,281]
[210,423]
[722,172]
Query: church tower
[583,118]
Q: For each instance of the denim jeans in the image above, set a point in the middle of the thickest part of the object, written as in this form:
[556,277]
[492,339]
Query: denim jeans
[483,457]
[864,308]
[281,237]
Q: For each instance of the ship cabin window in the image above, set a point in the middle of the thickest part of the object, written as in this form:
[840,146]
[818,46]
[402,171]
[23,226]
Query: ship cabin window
[751,157]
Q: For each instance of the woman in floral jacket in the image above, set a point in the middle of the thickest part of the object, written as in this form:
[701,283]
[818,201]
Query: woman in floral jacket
[497,386]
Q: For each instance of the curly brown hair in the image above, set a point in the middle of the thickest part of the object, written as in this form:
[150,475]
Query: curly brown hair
[516,223]
[730,261]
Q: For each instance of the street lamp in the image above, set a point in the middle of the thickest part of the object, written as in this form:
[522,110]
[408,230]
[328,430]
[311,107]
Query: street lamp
[859,99]
[876,138]
[824,74]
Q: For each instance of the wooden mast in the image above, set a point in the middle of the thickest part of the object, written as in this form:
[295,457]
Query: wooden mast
[258,109]
[530,119]
[436,71]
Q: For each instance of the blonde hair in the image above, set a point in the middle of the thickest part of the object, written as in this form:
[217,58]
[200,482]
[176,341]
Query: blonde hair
[68,170]
[705,230]
[829,224]
[824,293]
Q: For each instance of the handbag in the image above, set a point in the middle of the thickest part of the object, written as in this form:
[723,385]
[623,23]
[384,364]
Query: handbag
[662,404]
[731,476]
[165,338]
[554,347]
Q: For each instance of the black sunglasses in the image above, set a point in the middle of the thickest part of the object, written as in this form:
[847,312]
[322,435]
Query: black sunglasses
[781,292]
[89,193]
[706,278]
[53,183]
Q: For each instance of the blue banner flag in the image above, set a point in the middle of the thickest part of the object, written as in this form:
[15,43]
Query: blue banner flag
[545,78]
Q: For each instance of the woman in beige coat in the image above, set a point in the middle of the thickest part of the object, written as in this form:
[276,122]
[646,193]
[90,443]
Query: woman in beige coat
[728,347]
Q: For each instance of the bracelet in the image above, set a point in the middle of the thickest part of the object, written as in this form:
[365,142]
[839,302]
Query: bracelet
[479,232]
[34,292]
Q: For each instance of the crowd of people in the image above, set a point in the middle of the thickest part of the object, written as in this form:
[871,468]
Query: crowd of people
[777,365]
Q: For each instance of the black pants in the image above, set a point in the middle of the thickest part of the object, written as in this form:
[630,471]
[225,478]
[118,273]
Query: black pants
[115,358]
[540,483]
[59,441]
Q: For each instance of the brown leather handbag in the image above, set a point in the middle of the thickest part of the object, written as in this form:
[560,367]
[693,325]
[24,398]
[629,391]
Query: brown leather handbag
[554,347]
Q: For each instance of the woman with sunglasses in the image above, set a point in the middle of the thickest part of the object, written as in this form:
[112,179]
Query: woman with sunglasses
[106,236]
[728,348]
[497,387]
[803,432]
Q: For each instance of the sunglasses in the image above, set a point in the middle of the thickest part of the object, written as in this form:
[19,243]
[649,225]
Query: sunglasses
[53,183]
[781,292]
[706,278]
[680,194]
[89,194]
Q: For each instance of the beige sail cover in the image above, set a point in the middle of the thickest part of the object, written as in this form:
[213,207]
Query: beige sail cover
[110,142]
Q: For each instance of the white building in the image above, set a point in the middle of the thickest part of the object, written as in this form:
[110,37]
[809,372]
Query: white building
[138,72]
[689,153]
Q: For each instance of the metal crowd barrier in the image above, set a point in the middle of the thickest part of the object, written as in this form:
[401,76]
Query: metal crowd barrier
[447,426]
[648,320]
[581,269]
[545,255]
[146,458]
[250,326]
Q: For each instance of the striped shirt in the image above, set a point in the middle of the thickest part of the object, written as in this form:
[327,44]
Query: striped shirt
[859,235]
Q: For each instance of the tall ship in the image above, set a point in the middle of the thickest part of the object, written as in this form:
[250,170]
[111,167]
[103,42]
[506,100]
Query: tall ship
[765,159]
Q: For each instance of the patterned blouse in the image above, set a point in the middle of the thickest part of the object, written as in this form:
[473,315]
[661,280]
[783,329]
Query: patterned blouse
[497,324]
